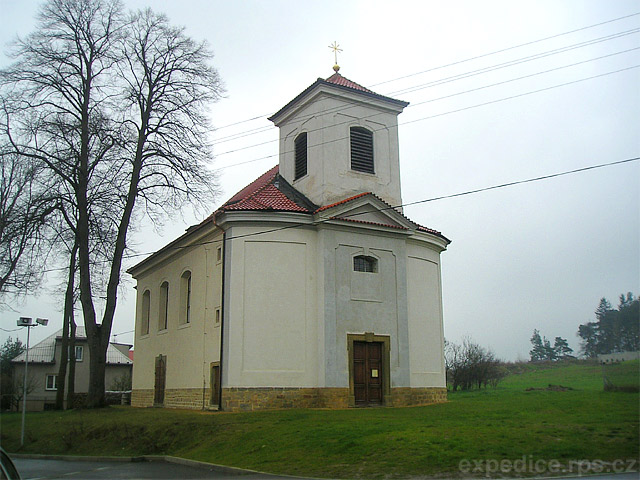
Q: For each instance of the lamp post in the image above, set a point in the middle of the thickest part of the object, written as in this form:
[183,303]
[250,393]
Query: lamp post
[27,322]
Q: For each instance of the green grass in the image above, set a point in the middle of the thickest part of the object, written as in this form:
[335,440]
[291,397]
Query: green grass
[623,375]
[503,423]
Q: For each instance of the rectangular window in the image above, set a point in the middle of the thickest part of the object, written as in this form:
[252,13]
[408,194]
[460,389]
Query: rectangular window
[362,150]
[52,382]
[185,298]
[362,263]
[163,320]
[79,353]
[301,155]
[217,316]
[218,254]
[189,299]
[146,308]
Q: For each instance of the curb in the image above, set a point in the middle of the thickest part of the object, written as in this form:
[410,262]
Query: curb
[156,458]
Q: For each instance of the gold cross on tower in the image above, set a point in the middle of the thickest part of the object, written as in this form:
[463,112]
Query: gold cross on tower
[336,48]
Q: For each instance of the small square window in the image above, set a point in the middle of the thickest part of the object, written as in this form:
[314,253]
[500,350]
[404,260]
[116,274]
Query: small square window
[52,382]
[362,263]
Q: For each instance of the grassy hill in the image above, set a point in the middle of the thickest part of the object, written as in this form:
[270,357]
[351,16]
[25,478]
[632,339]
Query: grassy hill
[521,420]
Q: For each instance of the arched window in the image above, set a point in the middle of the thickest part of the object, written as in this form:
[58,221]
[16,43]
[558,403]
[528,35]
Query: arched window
[361,150]
[163,319]
[146,307]
[363,263]
[185,297]
[301,155]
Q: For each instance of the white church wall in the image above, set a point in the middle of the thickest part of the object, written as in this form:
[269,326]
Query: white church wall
[426,341]
[271,314]
[189,347]
[358,302]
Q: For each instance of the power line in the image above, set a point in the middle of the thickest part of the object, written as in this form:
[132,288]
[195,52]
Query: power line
[393,207]
[415,88]
[506,49]
[458,62]
[433,116]
[518,61]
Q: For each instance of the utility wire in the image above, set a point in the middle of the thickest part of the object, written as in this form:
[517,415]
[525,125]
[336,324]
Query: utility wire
[415,88]
[430,116]
[506,49]
[458,62]
[417,202]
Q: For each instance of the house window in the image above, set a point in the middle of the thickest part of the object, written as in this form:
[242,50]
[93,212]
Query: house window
[79,353]
[301,155]
[185,297]
[217,320]
[362,263]
[218,254]
[146,308]
[52,382]
[361,150]
[163,319]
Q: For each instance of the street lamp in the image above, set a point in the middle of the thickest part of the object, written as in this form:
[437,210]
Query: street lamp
[27,322]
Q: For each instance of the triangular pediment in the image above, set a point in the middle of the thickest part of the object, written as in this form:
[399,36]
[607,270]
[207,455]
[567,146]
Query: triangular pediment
[366,209]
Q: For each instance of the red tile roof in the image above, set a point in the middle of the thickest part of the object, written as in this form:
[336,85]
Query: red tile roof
[346,200]
[263,194]
[338,79]
[366,222]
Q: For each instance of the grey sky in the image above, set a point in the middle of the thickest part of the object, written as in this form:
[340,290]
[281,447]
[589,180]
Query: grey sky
[538,255]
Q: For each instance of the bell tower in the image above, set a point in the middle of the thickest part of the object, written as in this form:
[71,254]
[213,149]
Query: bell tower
[339,139]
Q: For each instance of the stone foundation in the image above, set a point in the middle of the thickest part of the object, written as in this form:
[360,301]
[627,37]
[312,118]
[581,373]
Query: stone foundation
[142,398]
[239,399]
[190,398]
[407,396]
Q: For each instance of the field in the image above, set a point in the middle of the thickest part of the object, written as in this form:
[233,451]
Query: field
[523,420]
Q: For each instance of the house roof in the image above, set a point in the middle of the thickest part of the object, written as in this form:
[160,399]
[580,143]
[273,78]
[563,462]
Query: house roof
[44,351]
[338,81]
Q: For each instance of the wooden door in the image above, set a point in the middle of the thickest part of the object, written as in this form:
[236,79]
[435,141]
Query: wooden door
[161,376]
[215,384]
[367,373]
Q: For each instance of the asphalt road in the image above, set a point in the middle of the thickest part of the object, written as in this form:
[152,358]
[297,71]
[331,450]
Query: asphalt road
[38,469]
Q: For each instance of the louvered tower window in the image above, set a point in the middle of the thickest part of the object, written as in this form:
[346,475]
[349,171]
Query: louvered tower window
[362,150]
[301,155]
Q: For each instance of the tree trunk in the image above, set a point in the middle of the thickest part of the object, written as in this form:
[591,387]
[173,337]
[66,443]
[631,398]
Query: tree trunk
[71,387]
[68,312]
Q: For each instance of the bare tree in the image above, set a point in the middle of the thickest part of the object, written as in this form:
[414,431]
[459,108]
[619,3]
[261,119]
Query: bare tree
[114,106]
[24,207]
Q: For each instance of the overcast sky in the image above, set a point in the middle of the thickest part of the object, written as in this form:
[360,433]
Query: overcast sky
[536,255]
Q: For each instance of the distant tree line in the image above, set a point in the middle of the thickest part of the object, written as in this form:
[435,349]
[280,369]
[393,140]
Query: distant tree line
[471,366]
[615,330]
[543,350]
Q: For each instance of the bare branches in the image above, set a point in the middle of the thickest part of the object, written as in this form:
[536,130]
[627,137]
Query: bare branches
[114,108]
[25,205]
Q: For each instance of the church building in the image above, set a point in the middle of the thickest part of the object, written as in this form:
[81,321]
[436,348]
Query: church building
[309,287]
